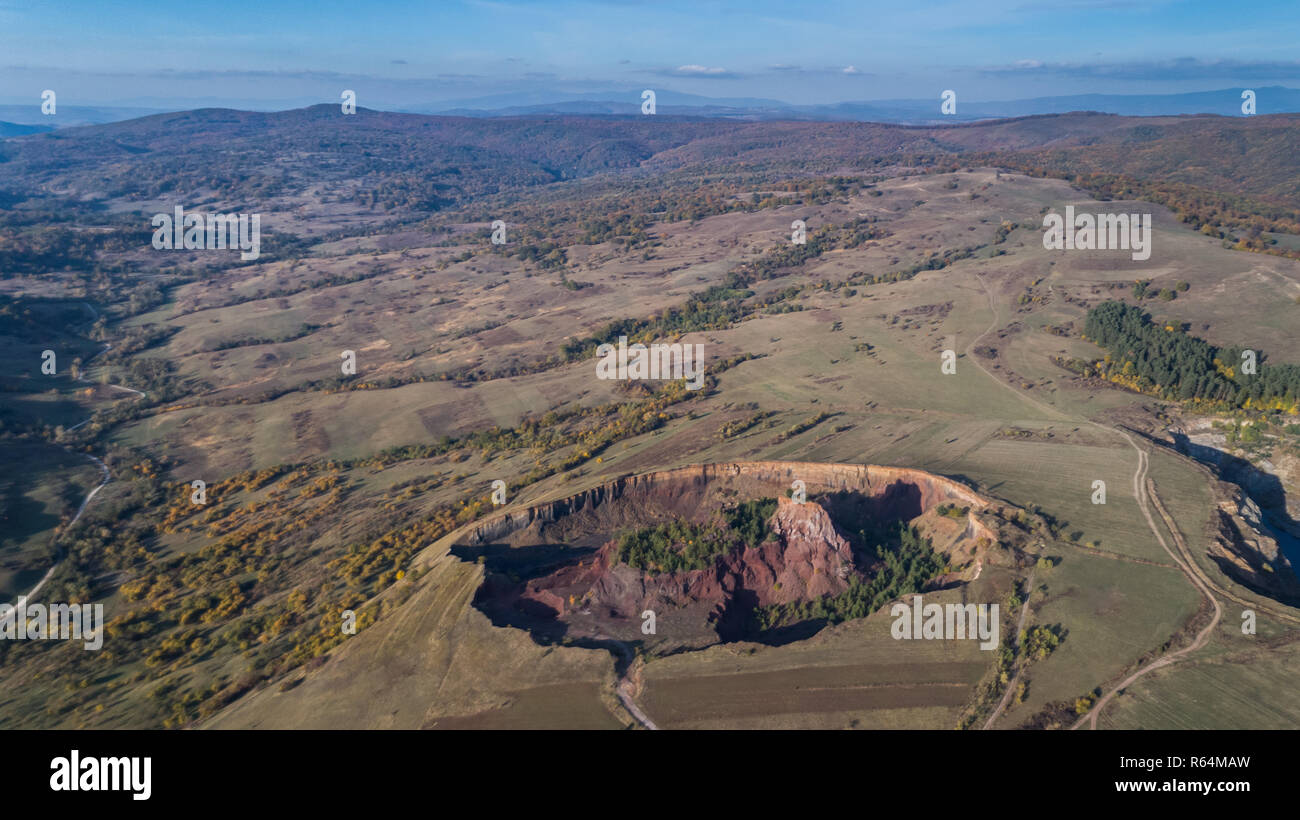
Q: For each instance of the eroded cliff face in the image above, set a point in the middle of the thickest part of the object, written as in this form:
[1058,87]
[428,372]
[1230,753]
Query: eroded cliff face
[1271,476]
[805,556]
[803,559]
[1254,527]
[814,559]
[1244,549]
[898,493]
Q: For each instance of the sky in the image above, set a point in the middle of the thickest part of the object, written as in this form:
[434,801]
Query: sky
[403,55]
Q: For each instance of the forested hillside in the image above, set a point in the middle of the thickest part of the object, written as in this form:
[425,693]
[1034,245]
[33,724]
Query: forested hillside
[1168,362]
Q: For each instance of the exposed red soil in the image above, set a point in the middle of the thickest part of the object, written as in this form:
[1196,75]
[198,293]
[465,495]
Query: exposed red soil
[804,558]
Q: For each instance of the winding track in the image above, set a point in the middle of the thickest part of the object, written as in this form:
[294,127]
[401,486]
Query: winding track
[108,475]
[625,688]
[1020,628]
[1142,487]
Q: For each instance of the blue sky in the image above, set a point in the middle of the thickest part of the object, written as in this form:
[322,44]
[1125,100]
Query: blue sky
[275,53]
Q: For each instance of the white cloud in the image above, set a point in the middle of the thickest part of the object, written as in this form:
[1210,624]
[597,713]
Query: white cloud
[699,69]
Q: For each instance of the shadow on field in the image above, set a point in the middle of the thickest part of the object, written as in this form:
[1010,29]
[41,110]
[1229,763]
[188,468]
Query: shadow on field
[521,563]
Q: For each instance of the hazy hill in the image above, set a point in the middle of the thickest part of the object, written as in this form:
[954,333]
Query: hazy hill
[72,115]
[425,163]
[11,129]
[1224,102]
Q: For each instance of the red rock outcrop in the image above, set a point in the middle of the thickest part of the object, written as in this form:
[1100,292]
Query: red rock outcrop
[804,558]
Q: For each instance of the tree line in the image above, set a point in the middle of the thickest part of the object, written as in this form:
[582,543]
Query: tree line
[1165,361]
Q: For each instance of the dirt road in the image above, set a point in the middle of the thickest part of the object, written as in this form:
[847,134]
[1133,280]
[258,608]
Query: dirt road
[1140,493]
[1020,628]
[108,476]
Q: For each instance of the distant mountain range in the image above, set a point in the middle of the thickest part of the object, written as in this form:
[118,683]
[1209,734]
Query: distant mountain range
[428,162]
[627,101]
[1225,102]
[66,116]
[13,129]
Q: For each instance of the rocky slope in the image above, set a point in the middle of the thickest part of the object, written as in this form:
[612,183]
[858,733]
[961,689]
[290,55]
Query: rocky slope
[805,557]
[1246,550]
[896,492]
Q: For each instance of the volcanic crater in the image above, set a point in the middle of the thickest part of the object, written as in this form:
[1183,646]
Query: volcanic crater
[726,552]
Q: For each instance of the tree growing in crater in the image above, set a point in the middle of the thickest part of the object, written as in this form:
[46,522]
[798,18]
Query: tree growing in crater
[904,570]
[680,546]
